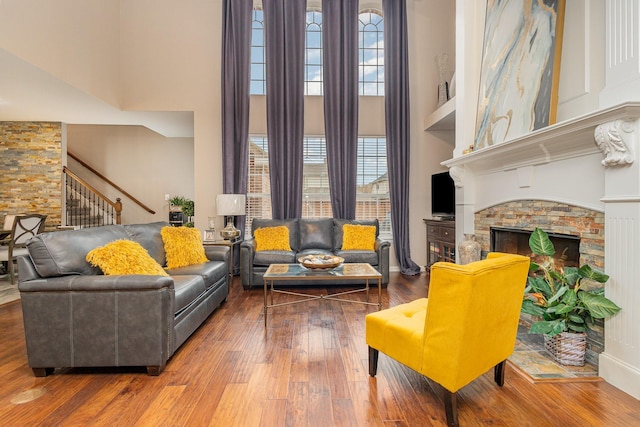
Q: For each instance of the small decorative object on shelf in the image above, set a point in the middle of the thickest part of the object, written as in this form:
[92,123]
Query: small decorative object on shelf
[210,233]
[469,249]
[468,150]
[443,87]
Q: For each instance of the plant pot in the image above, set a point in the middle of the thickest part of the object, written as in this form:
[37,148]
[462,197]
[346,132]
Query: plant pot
[567,348]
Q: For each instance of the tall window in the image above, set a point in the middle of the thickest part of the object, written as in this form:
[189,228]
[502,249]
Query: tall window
[258,66]
[313,54]
[372,194]
[371,54]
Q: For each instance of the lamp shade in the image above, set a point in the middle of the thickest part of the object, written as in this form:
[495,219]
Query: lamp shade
[231,204]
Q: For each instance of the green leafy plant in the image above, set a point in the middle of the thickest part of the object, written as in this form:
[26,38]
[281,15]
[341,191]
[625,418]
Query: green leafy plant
[187,206]
[564,298]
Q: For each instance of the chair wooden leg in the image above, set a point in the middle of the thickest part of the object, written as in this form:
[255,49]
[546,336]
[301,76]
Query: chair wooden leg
[451,408]
[373,361]
[498,373]
[12,271]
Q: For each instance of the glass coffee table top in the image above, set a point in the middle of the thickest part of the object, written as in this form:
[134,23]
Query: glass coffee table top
[344,271]
[293,273]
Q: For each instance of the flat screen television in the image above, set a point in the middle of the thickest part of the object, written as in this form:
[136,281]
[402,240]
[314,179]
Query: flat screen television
[443,196]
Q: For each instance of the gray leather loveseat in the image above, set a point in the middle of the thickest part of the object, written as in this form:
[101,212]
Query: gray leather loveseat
[309,236]
[74,316]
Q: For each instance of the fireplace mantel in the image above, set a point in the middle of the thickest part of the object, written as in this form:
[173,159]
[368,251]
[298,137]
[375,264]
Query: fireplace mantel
[564,140]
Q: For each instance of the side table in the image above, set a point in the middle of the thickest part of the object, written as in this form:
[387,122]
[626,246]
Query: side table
[231,244]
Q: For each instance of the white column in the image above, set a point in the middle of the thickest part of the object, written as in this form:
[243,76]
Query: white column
[619,364]
[622,53]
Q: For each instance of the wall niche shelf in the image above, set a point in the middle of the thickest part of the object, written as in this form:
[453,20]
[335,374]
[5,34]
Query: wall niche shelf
[444,118]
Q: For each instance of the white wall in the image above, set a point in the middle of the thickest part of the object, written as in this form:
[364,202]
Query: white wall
[143,163]
[76,41]
[432,29]
[170,53]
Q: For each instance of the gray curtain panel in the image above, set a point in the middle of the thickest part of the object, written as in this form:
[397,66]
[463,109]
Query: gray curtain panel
[396,86]
[284,24]
[236,59]
[340,55]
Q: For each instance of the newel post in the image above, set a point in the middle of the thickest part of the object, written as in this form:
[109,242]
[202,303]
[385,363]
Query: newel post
[118,207]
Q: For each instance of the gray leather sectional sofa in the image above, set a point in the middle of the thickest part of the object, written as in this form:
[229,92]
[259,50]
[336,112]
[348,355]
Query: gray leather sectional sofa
[309,236]
[74,316]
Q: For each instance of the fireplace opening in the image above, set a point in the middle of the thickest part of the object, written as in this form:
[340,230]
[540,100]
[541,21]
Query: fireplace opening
[516,241]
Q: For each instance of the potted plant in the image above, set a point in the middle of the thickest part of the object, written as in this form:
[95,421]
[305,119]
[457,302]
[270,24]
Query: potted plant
[567,300]
[184,205]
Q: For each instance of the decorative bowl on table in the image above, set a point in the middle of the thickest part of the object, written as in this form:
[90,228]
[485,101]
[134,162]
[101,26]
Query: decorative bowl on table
[324,262]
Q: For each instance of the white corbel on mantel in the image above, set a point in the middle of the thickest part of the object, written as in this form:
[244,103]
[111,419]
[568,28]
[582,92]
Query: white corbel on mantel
[610,138]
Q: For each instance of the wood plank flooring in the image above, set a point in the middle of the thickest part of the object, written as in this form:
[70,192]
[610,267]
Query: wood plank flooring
[308,368]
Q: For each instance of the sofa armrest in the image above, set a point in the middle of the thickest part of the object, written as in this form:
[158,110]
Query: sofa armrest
[80,283]
[217,253]
[73,321]
[382,249]
[247,251]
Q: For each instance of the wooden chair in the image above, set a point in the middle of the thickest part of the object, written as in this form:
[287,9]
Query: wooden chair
[466,326]
[23,228]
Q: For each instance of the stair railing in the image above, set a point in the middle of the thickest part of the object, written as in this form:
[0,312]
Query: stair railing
[86,206]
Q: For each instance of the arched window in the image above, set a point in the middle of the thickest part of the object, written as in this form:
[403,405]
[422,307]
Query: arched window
[371,54]
[313,54]
[258,66]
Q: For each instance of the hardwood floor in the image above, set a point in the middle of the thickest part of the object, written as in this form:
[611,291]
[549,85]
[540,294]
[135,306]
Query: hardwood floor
[308,368]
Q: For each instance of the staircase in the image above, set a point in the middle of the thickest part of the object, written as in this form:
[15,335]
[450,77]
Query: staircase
[86,206]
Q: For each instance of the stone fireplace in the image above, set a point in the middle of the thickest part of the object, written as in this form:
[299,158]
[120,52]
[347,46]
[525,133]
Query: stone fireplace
[580,177]
[576,232]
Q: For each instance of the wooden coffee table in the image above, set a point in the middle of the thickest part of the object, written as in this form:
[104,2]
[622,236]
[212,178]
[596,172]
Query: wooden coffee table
[296,273]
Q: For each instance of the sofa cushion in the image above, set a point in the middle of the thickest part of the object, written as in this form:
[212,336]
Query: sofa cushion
[274,257]
[183,246]
[211,272]
[338,233]
[291,224]
[148,235]
[370,257]
[187,290]
[358,237]
[272,239]
[124,257]
[316,234]
[60,253]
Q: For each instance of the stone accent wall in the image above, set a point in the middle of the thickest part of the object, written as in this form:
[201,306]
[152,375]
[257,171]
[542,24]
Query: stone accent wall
[31,169]
[557,218]
[551,217]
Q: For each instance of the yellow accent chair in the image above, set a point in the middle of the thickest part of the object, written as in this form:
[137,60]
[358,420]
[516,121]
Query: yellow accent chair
[466,326]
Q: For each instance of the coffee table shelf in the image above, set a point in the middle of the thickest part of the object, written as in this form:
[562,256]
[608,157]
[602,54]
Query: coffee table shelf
[297,273]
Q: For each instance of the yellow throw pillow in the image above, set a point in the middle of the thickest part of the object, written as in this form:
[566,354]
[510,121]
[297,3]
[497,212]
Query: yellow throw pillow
[183,246]
[124,257]
[358,237]
[272,238]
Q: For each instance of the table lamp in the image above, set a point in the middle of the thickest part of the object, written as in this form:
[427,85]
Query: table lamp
[230,205]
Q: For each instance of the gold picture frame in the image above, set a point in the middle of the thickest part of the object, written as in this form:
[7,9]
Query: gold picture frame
[520,69]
